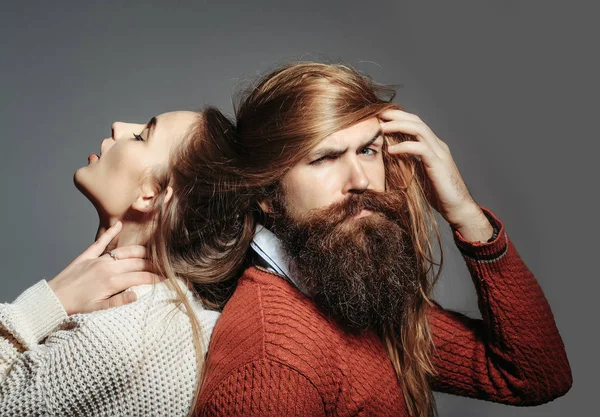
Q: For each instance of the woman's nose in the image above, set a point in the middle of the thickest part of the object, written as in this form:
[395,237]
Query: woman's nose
[117,130]
[122,130]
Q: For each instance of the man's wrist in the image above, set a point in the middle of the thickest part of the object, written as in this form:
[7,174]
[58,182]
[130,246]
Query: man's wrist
[475,227]
[491,248]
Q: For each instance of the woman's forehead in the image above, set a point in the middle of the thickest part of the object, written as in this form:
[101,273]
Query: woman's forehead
[173,125]
[176,120]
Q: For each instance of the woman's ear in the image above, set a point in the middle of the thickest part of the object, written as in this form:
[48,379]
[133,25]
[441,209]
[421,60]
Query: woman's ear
[168,194]
[144,203]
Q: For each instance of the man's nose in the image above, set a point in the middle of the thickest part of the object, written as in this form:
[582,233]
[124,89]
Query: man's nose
[357,180]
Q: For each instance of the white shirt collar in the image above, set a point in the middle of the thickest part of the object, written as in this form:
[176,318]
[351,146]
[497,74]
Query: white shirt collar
[269,248]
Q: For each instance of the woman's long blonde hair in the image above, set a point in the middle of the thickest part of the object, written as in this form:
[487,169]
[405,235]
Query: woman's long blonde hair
[177,248]
[279,120]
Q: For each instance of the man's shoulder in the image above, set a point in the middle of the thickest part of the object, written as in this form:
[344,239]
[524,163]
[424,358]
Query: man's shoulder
[268,319]
[266,303]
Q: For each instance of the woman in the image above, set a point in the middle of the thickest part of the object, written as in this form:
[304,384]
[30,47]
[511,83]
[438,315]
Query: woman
[143,357]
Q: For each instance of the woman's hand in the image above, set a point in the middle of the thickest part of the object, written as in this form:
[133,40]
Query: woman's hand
[447,192]
[95,281]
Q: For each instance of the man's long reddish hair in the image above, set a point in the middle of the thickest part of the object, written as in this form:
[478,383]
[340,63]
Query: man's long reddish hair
[279,120]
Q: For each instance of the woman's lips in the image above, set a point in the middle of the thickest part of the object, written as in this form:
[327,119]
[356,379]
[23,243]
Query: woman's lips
[93,157]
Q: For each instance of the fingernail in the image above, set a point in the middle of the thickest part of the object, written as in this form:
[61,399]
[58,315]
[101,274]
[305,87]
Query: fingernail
[130,296]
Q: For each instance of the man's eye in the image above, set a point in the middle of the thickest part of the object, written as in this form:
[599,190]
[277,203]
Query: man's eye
[322,159]
[368,151]
[138,137]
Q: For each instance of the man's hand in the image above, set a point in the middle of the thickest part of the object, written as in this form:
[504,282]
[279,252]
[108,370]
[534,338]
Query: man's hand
[447,192]
[91,281]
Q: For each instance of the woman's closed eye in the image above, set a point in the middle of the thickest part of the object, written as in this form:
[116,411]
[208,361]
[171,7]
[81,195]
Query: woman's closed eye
[138,137]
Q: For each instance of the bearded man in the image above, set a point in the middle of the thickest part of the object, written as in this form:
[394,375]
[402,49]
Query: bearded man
[333,190]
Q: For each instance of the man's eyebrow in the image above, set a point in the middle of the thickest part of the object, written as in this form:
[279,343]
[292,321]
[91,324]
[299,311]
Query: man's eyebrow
[373,139]
[337,152]
[327,152]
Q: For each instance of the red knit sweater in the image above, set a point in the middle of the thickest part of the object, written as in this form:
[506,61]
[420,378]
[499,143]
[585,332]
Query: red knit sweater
[273,353]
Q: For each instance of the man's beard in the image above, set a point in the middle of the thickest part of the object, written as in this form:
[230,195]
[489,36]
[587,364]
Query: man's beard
[361,272]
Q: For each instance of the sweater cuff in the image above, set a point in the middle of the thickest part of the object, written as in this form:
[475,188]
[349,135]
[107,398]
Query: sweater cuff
[39,310]
[484,251]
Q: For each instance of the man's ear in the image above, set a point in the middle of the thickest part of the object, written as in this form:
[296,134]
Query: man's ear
[266,205]
[144,203]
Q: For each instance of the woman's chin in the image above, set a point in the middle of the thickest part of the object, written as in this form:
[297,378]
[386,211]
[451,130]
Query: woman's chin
[79,179]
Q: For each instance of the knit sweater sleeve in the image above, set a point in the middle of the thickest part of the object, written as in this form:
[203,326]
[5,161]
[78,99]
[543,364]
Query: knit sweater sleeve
[27,321]
[133,360]
[263,388]
[514,354]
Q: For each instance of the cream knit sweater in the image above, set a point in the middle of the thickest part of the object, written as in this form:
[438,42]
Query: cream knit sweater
[135,360]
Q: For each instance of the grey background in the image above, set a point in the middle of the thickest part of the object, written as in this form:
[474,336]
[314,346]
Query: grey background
[511,86]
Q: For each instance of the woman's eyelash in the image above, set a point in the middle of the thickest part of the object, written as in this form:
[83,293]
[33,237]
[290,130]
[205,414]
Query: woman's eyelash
[138,137]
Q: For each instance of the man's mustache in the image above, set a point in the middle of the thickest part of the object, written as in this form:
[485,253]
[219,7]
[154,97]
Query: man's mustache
[386,203]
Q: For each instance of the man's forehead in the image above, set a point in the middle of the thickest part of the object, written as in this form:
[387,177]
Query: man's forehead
[358,132]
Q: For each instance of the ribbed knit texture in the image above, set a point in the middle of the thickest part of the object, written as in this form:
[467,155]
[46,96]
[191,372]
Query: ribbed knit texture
[135,360]
[273,353]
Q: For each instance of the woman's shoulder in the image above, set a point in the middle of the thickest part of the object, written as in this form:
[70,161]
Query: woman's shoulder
[157,312]
[128,351]
[164,292]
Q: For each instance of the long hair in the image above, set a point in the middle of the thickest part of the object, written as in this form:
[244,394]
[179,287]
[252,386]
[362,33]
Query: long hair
[279,120]
[177,248]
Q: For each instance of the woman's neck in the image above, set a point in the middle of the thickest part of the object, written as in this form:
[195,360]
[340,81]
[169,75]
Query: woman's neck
[130,234]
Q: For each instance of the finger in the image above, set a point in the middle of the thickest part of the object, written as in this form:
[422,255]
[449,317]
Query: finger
[418,129]
[400,115]
[120,282]
[404,126]
[131,279]
[133,251]
[121,299]
[414,148]
[395,114]
[99,246]
[123,266]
